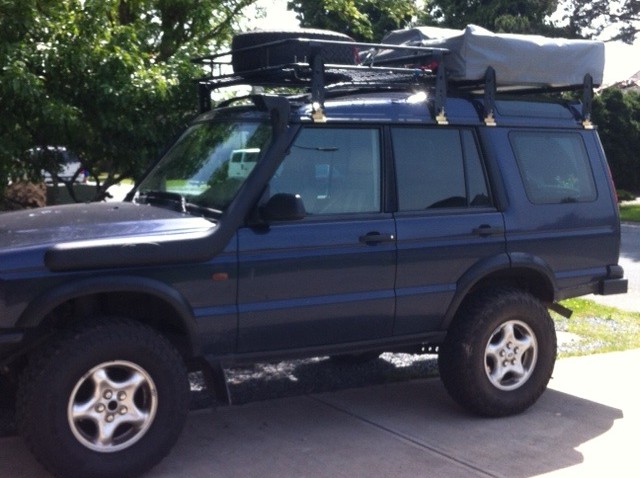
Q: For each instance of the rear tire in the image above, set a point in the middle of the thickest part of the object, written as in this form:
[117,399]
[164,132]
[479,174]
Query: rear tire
[499,353]
[106,399]
[287,52]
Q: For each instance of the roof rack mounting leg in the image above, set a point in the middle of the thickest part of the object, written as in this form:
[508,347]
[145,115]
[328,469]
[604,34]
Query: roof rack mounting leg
[317,84]
[490,88]
[587,101]
[204,97]
[441,94]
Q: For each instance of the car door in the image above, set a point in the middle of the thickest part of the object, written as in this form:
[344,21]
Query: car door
[446,221]
[328,278]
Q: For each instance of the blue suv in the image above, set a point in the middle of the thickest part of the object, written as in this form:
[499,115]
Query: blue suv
[365,209]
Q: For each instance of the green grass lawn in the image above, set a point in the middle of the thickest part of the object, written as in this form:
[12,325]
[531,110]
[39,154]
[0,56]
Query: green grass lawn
[597,328]
[630,212]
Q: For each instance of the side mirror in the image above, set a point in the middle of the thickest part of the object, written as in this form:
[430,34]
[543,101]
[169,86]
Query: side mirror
[283,207]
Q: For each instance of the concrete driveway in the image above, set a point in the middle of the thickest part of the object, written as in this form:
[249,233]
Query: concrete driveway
[584,425]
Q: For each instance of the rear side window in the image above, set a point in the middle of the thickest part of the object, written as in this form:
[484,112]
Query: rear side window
[438,168]
[554,167]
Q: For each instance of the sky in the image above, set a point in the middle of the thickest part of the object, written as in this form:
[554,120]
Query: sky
[621,61]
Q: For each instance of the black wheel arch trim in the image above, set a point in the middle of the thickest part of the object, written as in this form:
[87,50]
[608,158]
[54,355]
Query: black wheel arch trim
[40,306]
[505,262]
[528,261]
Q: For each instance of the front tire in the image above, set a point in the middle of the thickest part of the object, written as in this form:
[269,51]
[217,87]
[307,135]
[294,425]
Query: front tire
[499,353]
[106,399]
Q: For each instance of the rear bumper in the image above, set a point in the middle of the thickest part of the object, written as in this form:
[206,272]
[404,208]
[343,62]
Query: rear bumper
[613,286]
[614,283]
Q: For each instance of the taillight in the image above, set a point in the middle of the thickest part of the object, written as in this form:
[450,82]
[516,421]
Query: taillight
[432,65]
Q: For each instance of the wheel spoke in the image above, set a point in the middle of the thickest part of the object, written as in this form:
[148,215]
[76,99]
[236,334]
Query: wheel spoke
[105,433]
[524,343]
[131,385]
[497,372]
[135,417]
[86,409]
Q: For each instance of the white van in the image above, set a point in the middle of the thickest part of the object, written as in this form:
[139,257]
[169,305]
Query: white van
[242,161]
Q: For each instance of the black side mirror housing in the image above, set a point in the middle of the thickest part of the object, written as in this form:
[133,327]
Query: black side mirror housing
[283,207]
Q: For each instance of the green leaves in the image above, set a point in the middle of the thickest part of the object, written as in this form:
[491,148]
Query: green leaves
[109,79]
[620,19]
[364,20]
[501,16]
[617,114]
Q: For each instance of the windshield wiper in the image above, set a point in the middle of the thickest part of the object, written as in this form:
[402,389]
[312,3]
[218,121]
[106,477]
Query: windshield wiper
[204,211]
[177,202]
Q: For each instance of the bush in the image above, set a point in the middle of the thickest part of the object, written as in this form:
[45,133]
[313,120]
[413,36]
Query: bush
[617,114]
[23,195]
[624,195]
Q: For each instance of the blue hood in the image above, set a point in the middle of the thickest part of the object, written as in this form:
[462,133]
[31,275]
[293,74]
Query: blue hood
[80,222]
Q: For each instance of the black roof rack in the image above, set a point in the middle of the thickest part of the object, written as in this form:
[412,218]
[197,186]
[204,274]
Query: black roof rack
[316,78]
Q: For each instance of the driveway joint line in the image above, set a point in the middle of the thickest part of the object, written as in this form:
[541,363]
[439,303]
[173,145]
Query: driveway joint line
[404,437]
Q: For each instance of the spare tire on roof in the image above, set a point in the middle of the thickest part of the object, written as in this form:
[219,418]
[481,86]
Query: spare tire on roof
[287,52]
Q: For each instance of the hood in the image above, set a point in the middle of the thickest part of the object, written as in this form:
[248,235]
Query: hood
[81,222]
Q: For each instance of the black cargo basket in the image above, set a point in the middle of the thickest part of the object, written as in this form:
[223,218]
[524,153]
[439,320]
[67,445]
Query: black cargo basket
[317,63]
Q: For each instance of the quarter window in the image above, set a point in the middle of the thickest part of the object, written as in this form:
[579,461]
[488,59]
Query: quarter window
[554,167]
[335,171]
[438,168]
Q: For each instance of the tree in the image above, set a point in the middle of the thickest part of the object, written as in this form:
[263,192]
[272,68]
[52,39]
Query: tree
[502,16]
[617,114]
[620,19]
[109,79]
[364,20]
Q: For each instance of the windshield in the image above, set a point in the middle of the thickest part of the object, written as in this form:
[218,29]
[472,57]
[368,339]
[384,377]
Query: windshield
[207,166]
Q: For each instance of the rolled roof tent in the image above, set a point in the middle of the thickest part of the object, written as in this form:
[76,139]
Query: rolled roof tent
[517,59]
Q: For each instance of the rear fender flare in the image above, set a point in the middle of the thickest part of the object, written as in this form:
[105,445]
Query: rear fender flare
[494,266]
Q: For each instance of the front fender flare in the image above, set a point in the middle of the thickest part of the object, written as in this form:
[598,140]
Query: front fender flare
[40,306]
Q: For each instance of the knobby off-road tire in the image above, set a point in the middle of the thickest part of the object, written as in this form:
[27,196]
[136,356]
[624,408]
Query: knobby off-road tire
[499,353]
[287,52]
[107,399]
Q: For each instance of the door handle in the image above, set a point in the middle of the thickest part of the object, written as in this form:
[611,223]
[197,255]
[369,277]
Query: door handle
[486,230]
[376,237]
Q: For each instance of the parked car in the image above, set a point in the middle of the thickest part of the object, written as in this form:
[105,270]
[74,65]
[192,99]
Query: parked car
[386,210]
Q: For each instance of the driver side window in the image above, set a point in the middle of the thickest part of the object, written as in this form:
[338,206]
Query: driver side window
[334,170]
